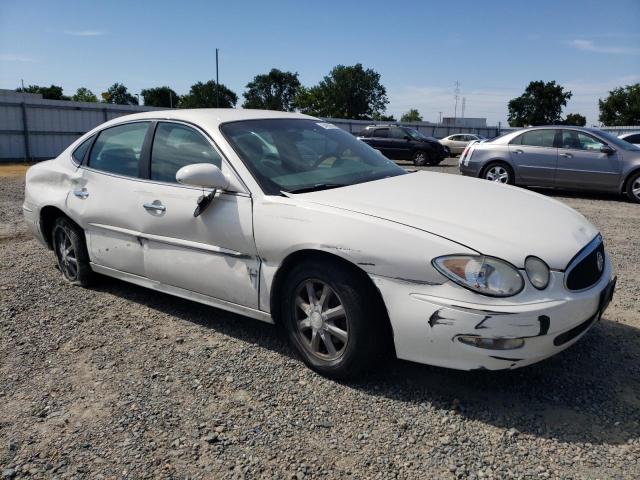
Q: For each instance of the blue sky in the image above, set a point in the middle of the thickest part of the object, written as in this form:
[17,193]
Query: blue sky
[420,48]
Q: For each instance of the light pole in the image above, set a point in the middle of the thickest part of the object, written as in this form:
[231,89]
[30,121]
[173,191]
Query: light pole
[217,83]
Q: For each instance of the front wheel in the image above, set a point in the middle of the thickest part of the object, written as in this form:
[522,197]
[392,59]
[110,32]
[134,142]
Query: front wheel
[633,188]
[420,158]
[71,252]
[331,319]
[498,172]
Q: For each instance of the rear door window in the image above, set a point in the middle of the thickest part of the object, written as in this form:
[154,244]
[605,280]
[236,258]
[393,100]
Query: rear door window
[118,149]
[537,138]
[176,146]
[398,133]
[381,132]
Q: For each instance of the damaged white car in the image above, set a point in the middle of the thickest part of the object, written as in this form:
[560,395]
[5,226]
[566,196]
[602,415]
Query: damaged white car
[285,218]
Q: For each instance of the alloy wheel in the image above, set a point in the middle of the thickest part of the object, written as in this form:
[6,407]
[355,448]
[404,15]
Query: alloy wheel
[635,188]
[322,324]
[66,253]
[498,174]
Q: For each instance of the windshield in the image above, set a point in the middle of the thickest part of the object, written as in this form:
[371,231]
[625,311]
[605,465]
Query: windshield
[302,155]
[415,134]
[618,142]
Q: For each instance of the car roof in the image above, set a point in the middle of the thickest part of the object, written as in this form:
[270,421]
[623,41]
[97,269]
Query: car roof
[210,117]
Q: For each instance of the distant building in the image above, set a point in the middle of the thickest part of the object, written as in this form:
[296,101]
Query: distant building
[464,122]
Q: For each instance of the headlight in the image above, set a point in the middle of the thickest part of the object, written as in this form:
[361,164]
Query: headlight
[486,275]
[537,271]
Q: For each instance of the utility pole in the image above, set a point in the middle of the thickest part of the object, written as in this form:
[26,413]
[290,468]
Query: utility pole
[22,83]
[456,92]
[170,99]
[464,101]
[440,118]
[217,83]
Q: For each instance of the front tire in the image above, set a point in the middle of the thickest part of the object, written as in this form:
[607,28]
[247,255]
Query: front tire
[633,188]
[331,318]
[71,252]
[499,172]
[420,158]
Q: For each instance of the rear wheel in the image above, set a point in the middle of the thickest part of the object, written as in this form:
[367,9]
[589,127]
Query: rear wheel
[633,188]
[420,158]
[71,252]
[498,172]
[331,319]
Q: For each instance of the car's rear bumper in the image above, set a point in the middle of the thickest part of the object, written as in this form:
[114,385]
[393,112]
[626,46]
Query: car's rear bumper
[32,219]
[470,169]
[427,329]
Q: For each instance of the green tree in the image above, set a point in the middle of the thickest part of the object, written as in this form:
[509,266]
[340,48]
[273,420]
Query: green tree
[540,104]
[347,92]
[203,95]
[275,90]
[413,115]
[621,107]
[575,119]
[118,94]
[50,93]
[379,117]
[84,95]
[160,97]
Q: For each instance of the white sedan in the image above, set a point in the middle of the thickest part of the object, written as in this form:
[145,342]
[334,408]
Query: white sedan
[458,142]
[285,218]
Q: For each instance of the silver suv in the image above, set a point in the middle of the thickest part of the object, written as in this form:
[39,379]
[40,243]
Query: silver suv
[557,156]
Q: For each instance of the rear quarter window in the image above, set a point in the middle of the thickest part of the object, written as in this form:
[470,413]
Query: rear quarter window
[79,153]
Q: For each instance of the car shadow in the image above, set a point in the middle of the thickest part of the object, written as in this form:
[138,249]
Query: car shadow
[579,395]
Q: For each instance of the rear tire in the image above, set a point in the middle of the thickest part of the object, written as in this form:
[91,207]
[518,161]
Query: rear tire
[633,187]
[499,172]
[332,318]
[420,158]
[71,252]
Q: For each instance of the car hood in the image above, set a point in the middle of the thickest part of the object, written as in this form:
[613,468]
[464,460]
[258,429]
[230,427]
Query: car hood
[493,219]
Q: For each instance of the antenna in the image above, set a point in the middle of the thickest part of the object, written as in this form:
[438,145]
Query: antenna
[456,92]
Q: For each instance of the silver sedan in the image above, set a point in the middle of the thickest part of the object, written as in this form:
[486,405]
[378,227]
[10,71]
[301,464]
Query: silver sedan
[564,157]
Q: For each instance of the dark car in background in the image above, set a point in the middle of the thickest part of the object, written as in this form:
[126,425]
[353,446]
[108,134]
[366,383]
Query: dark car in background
[557,156]
[404,143]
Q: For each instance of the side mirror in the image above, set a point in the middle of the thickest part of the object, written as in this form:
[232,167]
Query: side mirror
[204,175]
[407,137]
[607,149]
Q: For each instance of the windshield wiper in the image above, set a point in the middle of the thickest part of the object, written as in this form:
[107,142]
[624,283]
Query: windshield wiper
[316,188]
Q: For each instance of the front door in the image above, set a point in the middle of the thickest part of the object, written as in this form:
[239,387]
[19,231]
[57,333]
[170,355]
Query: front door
[582,165]
[213,254]
[104,197]
[535,157]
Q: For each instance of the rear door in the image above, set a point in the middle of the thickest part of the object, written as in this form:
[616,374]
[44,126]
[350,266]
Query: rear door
[535,157]
[105,196]
[213,254]
[582,165]
[380,141]
[399,147]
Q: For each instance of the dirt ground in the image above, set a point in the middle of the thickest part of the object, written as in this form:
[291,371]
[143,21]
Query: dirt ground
[118,381]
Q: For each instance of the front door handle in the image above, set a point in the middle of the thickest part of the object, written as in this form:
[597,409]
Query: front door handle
[566,155]
[156,207]
[518,151]
[81,193]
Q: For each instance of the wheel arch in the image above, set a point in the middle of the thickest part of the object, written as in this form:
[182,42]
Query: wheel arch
[625,182]
[310,254]
[48,216]
[486,164]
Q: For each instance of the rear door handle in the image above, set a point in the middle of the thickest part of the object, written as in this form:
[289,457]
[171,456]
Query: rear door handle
[566,155]
[81,193]
[518,151]
[156,207]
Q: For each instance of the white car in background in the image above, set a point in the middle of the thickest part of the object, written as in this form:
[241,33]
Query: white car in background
[458,142]
[631,137]
[285,218]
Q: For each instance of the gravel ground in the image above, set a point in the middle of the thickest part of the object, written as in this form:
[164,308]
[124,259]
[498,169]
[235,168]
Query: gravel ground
[122,382]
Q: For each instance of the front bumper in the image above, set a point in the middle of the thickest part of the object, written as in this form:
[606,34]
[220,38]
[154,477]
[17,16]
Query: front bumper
[427,326]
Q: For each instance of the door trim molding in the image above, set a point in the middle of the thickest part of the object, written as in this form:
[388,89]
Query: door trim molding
[183,293]
[178,242]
